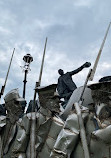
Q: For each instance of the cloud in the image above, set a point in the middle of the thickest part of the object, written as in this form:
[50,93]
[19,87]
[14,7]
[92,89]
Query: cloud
[4,31]
[86,3]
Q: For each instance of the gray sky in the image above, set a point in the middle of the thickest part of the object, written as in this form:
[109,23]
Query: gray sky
[75,30]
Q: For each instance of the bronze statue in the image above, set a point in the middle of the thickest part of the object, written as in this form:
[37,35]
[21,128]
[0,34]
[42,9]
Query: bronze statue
[65,83]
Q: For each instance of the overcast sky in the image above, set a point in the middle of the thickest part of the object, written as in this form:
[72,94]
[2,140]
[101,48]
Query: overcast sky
[75,30]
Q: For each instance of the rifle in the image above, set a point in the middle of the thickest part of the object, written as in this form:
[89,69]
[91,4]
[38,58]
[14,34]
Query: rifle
[82,130]
[1,93]
[33,116]
[78,106]
[3,87]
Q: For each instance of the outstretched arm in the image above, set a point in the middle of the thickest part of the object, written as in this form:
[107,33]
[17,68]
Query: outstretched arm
[85,65]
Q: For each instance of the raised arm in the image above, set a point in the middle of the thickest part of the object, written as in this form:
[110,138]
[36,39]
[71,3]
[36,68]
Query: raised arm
[85,65]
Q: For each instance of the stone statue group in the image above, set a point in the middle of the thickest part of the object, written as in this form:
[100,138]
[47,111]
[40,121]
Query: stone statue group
[46,133]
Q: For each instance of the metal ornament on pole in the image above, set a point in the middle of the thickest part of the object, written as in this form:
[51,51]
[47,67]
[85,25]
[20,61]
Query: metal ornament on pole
[27,59]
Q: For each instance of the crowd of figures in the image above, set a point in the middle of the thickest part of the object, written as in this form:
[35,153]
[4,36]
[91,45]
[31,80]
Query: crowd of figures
[44,131]
[56,135]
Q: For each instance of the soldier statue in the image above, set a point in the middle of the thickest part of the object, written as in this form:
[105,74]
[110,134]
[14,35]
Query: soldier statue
[66,86]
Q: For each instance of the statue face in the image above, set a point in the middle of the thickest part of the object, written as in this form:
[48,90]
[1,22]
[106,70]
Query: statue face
[13,104]
[53,104]
[50,102]
[14,110]
[48,98]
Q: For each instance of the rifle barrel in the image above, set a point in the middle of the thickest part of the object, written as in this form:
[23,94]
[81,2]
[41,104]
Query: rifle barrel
[41,70]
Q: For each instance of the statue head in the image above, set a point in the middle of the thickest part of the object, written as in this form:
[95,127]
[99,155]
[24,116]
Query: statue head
[103,111]
[48,98]
[61,72]
[15,105]
[101,94]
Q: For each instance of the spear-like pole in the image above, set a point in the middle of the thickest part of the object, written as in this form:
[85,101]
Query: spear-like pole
[33,117]
[3,87]
[41,70]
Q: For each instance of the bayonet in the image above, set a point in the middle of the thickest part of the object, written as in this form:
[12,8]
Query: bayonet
[99,54]
[92,71]
[41,70]
[3,87]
